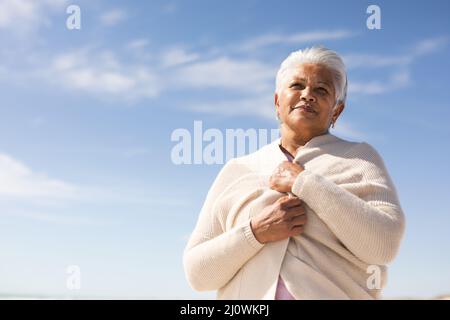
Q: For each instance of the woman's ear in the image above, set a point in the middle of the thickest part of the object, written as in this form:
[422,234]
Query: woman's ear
[277,107]
[275,100]
[338,110]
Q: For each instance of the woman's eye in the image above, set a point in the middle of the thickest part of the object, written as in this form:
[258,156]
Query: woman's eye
[297,86]
[322,90]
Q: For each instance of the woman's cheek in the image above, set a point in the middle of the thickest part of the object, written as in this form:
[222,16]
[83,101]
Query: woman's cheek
[292,99]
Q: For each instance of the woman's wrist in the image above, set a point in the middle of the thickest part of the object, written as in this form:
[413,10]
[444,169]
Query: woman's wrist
[253,226]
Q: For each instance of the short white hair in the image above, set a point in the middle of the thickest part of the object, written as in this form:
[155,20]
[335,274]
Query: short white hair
[317,55]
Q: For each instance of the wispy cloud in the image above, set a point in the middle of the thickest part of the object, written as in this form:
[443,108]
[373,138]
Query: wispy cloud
[177,56]
[19,181]
[353,61]
[399,67]
[137,72]
[297,38]
[227,73]
[424,47]
[30,194]
[56,218]
[26,15]
[347,131]
[102,74]
[113,17]
[260,106]
[430,45]
[397,80]
[138,44]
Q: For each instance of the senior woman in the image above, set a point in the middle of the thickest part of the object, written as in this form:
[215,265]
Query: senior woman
[309,216]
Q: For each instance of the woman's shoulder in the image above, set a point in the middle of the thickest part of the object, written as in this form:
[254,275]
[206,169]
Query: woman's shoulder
[362,149]
[365,156]
[258,160]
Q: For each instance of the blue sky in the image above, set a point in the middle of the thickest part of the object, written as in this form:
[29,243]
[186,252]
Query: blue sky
[86,117]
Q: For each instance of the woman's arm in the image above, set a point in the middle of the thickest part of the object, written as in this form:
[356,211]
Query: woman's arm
[364,213]
[213,256]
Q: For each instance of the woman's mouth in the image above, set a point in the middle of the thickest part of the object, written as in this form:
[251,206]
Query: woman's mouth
[305,108]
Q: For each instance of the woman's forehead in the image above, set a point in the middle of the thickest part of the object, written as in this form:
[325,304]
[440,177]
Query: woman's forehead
[311,72]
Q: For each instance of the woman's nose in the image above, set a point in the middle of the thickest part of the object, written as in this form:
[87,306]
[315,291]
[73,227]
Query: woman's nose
[307,95]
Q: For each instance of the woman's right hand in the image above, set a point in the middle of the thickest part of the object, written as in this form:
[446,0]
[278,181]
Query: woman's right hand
[283,219]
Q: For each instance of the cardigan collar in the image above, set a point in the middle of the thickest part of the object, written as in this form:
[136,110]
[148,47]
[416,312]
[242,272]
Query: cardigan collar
[321,140]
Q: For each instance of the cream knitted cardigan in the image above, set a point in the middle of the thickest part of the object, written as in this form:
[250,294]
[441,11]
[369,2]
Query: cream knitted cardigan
[354,221]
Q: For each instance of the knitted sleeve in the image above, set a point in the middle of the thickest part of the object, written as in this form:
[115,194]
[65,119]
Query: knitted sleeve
[360,207]
[214,255]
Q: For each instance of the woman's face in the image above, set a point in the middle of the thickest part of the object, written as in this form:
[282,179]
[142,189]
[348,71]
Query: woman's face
[306,99]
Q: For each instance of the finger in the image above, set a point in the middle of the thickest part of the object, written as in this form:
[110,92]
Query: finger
[291,202]
[282,199]
[295,231]
[295,211]
[298,220]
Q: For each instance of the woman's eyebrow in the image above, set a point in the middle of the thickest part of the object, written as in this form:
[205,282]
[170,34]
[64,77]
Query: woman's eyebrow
[325,83]
[304,80]
[298,79]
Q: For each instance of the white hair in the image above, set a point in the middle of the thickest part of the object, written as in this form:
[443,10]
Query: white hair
[317,55]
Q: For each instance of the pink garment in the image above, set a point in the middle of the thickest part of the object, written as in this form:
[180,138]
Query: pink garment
[282,292]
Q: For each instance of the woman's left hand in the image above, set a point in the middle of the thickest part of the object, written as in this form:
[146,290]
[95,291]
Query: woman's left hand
[284,176]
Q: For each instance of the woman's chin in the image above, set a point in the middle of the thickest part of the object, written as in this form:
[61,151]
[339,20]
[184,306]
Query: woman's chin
[300,120]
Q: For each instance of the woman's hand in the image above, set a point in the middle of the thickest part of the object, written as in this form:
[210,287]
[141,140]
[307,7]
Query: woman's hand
[282,219]
[284,176]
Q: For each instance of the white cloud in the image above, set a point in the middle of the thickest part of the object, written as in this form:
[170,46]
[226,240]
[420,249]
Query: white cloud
[138,44]
[345,130]
[178,56]
[101,74]
[58,218]
[34,195]
[374,61]
[397,80]
[138,73]
[424,47]
[428,46]
[23,15]
[18,180]
[297,38]
[261,106]
[400,64]
[223,72]
[11,10]
[113,17]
